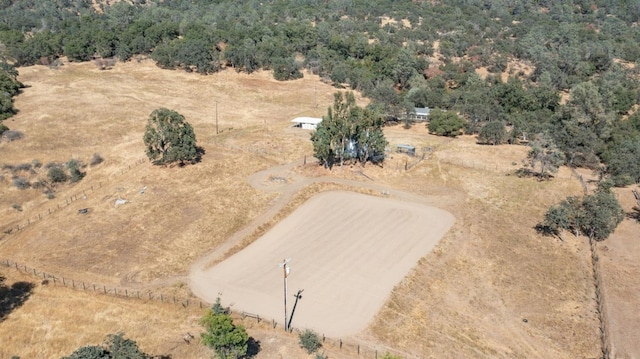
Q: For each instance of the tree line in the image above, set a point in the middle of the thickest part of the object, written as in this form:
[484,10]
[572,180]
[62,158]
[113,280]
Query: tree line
[385,49]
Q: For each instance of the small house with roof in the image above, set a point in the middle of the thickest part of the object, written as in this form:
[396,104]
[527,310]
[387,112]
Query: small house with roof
[422,114]
[306,123]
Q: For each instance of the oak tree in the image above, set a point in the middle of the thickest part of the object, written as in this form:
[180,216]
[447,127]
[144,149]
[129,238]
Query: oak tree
[169,138]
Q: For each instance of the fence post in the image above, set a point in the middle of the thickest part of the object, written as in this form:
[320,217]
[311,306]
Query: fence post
[340,343]
[126,294]
[105,289]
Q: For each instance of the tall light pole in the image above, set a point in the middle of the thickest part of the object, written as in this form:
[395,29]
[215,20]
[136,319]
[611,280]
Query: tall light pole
[285,271]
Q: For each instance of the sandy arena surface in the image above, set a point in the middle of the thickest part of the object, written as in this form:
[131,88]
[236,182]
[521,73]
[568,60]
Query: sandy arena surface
[347,252]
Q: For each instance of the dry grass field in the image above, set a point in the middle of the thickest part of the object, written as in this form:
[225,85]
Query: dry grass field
[492,287]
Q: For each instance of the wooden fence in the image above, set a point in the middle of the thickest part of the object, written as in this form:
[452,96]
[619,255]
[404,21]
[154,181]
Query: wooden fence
[349,346]
[600,302]
[82,194]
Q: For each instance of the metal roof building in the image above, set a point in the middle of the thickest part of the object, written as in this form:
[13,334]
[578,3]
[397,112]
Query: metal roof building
[307,123]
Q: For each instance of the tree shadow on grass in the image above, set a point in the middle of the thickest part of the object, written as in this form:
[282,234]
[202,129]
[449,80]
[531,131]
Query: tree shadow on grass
[253,348]
[12,297]
[634,214]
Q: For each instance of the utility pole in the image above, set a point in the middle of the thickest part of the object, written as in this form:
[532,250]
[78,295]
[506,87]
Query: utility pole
[216,117]
[315,96]
[298,296]
[285,270]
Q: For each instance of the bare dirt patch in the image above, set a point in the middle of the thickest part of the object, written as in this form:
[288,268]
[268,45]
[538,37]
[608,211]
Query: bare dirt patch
[348,251]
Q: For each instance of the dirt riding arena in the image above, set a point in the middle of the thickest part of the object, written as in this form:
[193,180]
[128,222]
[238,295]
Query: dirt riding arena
[347,253]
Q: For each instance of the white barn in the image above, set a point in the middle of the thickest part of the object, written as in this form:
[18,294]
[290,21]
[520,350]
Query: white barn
[307,123]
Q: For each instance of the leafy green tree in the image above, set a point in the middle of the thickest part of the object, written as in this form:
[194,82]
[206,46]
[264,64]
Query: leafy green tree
[348,132]
[116,346]
[596,215]
[602,215]
[227,339]
[90,352]
[322,144]
[285,69]
[493,133]
[545,154]
[445,123]
[564,216]
[169,138]
[622,160]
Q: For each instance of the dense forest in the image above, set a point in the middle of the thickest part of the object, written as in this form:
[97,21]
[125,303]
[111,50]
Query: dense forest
[400,54]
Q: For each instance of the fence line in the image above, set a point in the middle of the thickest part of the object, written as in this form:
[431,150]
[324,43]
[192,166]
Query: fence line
[148,297]
[91,287]
[67,202]
[600,301]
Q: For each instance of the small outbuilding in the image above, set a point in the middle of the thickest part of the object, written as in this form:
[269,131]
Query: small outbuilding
[422,114]
[306,123]
[408,149]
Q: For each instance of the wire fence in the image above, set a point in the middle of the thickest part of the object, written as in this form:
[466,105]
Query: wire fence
[80,195]
[600,302]
[347,346]
[91,287]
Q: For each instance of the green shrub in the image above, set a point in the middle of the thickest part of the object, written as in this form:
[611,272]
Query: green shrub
[57,175]
[50,194]
[445,123]
[21,183]
[74,170]
[310,341]
[22,167]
